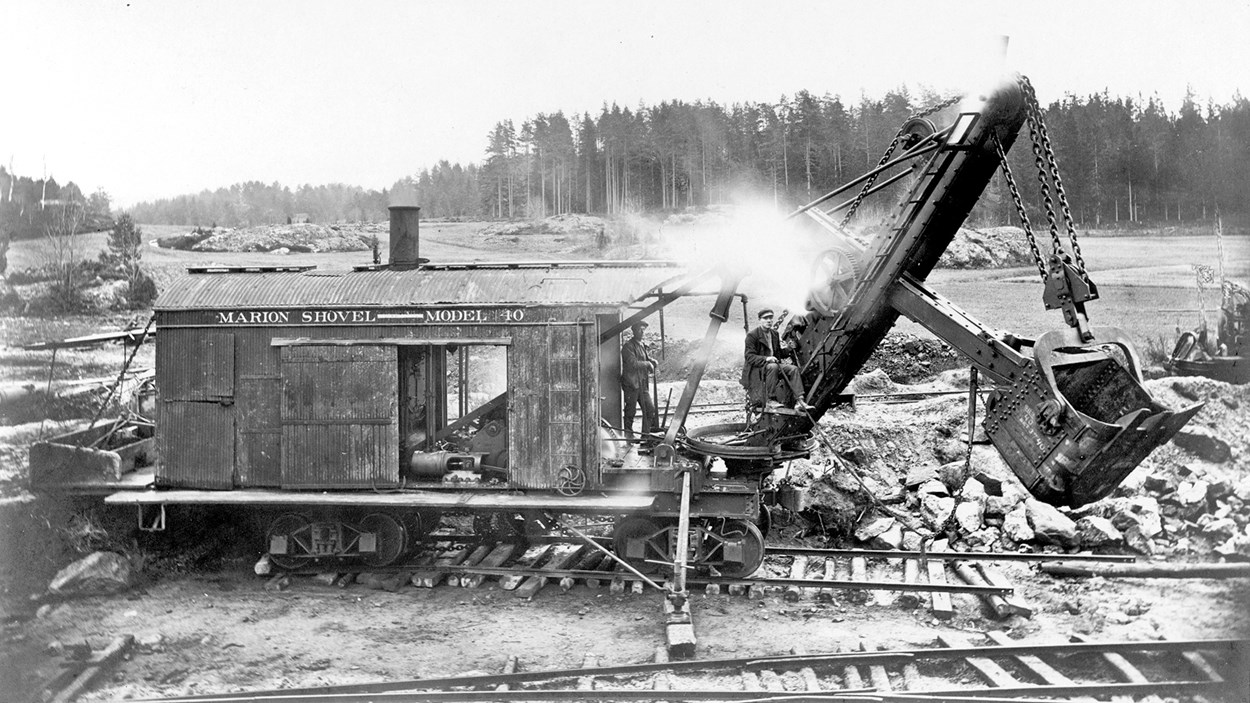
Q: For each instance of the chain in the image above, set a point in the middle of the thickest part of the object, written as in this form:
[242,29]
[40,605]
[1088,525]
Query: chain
[1015,196]
[850,212]
[1052,165]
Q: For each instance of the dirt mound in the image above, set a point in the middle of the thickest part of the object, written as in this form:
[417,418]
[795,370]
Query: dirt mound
[301,237]
[556,224]
[994,247]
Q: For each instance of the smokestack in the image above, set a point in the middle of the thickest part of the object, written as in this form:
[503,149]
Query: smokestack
[405,237]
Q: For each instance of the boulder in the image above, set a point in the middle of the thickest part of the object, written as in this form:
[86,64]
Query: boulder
[936,510]
[1138,542]
[953,474]
[1015,524]
[1097,531]
[918,475]
[912,541]
[1193,494]
[1141,512]
[969,514]
[1010,497]
[933,487]
[891,538]
[873,525]
[981,540]
[1049,524]
[1203,443]
[96,573]
[974,490]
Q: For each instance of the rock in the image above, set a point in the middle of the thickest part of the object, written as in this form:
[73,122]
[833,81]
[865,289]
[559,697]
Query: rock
[1237,547]
[1097,531]
[1142,512]
[1016,525]
[1203,443]
[953,475]
[992,484]
[263,566]
[1010,495]
[281,582]
[44,611]
[150,641]
[326,578]
[974,490]
[1218,528]
[918,475]
[873,525]
[1138,542]
[983,540]
[1049,524]
[933,487]
[935,510]
[96,573]
[892,538]
[912,541]
[1242,489]
[969,514]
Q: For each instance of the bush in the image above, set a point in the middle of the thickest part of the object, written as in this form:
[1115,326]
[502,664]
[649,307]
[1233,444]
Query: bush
[140,292]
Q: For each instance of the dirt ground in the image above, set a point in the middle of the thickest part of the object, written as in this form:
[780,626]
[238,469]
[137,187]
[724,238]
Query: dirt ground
[209,625]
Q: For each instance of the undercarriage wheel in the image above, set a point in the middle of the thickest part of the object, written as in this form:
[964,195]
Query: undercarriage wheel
[390,535]
[747,549]
[641,543]
[295,531]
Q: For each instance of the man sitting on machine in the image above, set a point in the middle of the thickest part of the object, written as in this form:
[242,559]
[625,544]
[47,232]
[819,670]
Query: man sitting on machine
[766,362]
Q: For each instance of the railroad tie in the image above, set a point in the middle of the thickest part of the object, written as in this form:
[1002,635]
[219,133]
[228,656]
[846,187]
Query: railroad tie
[880,596]
[880,677]
[587,558]
[475,557]
[562,556]
[617,586]
[509,667]
[532,556]
[989,669]
[911,574]
[798,570]
[1032,662]
[587,683]
[435,576]
[811,682]
[1123,667]
[496,558]
[91,670]
[603,562]
[663,680]
[936,568]
[851,676]
[825,595]
[771,681]
[859,572]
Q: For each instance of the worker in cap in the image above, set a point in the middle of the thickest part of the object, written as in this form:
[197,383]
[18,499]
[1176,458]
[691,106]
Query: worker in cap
[636,369]
[766,363]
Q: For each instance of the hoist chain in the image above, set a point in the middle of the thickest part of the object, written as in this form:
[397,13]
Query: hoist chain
[1019,201]
[850,212]
[1047,165]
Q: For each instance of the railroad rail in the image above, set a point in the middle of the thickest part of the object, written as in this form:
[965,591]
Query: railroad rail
[909,579]
[957,670]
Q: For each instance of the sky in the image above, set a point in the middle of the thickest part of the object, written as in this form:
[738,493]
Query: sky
[150,99]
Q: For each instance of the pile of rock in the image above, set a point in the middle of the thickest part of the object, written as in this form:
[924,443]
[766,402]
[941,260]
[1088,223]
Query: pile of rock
[991,248]
[566,224]
[284,239]
[1192,497]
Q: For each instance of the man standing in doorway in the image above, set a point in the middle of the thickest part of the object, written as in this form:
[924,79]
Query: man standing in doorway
[766,362]
[636,369]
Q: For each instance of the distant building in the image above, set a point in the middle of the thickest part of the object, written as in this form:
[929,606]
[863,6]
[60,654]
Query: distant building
[300,218]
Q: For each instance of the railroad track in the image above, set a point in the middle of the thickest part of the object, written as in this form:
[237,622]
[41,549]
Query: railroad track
[958,670]
[882,577]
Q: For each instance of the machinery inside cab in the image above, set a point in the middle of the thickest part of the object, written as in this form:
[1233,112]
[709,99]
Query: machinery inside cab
[409,374]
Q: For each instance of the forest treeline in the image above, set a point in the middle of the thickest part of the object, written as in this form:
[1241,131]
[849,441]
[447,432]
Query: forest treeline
[1123,161]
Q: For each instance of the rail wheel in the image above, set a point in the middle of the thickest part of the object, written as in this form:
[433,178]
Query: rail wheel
[289,540]
[741,549]
[641,543]
[390,539]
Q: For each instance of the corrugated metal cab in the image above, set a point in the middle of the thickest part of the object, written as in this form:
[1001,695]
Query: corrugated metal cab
[308,379]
